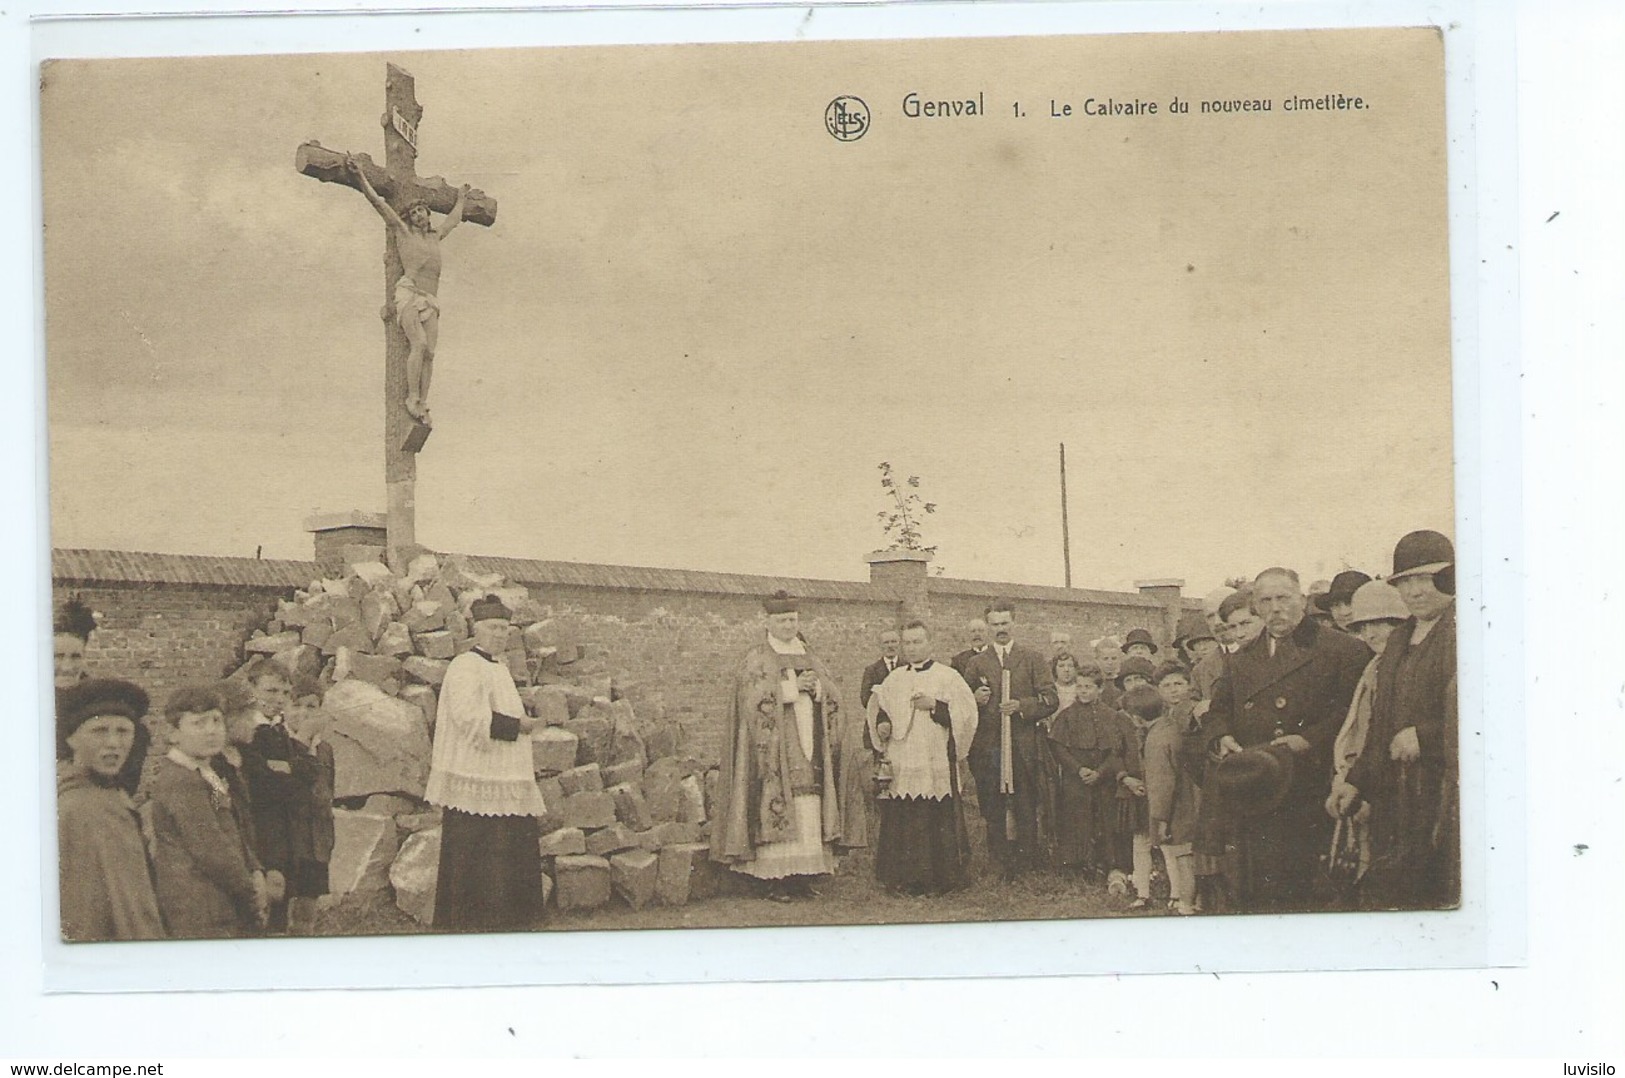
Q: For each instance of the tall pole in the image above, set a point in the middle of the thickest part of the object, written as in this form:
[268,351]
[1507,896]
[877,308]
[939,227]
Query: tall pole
[1066,527]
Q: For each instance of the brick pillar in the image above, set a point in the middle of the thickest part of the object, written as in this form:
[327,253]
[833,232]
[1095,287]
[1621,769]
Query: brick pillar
[903,574]
[1168,593]
[345,538]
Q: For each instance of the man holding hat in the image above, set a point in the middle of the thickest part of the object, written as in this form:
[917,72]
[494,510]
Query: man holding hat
[481,775]
[1286,691]
[105,879]
[780,805]
[1408,771]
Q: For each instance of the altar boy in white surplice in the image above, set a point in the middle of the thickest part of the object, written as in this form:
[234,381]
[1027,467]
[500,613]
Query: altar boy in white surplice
[921,720]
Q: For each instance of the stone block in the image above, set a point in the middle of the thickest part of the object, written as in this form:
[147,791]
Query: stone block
[549,703]
[429,671]
[623,771]
[394,641]
[660,739]
[457,624]
[710,782]
[302,660]
[594,740]
[626,744]
[372,572]
[686,873]
[422,569]
[587,777]
[518,666]
[424,617]
[424,698]
[634,876]
[691,805]
[630,808]
[581,882]
[364,847]
[588,810]
[380,744]
[414,873]
[438,592]
[270,645]
[662,789]
[552,793]
[608,840]
[564,842]
[391,805]
[552,750]
[669,834]
[316,633]
[351,636]
[377,669]
[294,615]
[437,644]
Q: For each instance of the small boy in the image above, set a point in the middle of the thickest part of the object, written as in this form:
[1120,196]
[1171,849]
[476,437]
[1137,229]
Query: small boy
[1109,656]
[308,724]
[1093,750]
[208,881]
[1143,706]
[280,773]
[1170,787]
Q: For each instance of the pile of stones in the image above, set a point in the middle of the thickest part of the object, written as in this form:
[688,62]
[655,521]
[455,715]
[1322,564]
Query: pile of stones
[628,804]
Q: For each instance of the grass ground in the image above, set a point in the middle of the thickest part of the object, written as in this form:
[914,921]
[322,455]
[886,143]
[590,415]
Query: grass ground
[850,897]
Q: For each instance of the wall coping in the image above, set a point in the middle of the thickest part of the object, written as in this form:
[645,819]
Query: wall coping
[91,567]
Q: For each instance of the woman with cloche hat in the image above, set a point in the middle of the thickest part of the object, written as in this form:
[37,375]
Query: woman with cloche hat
[106,882]
[1408,770]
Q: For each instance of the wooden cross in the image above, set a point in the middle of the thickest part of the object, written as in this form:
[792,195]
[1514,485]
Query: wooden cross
[397,183]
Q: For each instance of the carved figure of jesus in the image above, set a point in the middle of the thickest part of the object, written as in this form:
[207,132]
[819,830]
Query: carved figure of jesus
[417,309]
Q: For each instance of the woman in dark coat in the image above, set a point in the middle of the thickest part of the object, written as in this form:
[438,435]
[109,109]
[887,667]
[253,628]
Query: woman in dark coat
[70,636]
[1408,770]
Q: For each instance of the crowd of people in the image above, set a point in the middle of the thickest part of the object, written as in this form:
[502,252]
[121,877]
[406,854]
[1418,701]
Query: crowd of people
[1287,751]
[1284,752]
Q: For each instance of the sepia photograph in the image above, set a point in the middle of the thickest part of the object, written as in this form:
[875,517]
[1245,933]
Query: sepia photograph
[752,485]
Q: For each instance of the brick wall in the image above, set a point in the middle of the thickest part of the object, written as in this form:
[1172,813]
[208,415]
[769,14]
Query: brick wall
[671,635]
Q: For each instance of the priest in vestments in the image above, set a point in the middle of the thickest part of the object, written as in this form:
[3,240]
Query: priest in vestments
[781,810]
[481,775]
[922,719]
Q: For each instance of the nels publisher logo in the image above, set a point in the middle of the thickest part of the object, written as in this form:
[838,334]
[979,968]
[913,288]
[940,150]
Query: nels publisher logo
[847,118]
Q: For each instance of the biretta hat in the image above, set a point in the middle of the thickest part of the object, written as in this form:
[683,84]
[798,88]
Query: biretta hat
[1377,600]
[1253,782]
[780,602]
[1343,587]
[1422,553]
[1139,636]
[78,704]
[1135,664]
[488,609]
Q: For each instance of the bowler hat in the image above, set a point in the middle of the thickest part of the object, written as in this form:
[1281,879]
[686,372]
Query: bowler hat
[1135,664]
[1344,585]
[1377,600]
[1253,782]
[1422,553]
[1139,636]
[78,704]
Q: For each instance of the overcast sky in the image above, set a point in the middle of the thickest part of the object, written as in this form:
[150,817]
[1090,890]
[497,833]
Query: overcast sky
[700,322]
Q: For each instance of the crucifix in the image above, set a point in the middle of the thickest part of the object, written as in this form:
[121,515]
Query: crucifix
[411,310]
